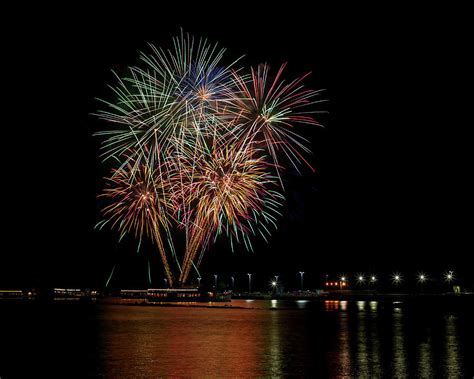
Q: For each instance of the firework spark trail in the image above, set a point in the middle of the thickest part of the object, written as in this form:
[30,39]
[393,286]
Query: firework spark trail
[229,190]
[268,109]
[138,205]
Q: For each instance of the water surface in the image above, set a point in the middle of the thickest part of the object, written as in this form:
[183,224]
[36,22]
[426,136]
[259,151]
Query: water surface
[262,338]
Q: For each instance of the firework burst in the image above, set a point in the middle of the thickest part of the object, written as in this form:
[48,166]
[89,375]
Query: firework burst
[267,109]
[199,145]
[137,197]
[175,95]
[226,191]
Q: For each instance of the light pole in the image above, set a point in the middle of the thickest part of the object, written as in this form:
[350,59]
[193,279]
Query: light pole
[250,282]
[232,279]
[342,282]
[166,283]
[274,286]
[449,277]
[422,278]
[301,279]
[373,279]
[215,281]
[199,281]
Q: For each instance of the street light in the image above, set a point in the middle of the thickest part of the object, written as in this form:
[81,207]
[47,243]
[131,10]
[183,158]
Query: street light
[274,285]
[301,278]
[232,279]
[396,278]
[199,281]
[360,279]
[422,277]
[250,282]
[215,280]
[449,276]
[343,282]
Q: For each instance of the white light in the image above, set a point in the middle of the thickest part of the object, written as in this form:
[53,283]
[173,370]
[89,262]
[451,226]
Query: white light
[397,278]
[422,277]
[449,276]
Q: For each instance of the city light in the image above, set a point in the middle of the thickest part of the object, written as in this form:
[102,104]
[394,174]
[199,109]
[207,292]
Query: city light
[360,278]
[373,279]
[449,276]
[422,277]
[396,278]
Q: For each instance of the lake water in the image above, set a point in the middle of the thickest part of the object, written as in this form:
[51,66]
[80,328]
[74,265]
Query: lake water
[260,339]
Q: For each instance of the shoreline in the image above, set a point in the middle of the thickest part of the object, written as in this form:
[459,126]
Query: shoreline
[395,300]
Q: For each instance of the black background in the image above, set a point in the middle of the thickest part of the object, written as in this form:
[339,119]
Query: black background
[392,188]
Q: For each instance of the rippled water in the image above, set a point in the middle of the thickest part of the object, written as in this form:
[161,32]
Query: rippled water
[263,338]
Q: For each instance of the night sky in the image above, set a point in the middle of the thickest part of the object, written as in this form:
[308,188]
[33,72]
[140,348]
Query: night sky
[392,188]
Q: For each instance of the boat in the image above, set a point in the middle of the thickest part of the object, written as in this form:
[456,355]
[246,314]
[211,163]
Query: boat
[181,295]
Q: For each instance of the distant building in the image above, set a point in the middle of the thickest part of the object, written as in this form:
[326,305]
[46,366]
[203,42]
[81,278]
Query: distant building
[11,294]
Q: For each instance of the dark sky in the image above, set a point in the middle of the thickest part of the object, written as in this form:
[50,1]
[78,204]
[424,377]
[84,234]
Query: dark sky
[392,189]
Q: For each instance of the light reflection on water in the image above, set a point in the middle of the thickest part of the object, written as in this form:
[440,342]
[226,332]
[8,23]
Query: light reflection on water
[343,305]
[398,343]
[452,354]
[261,339]
[275,338]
